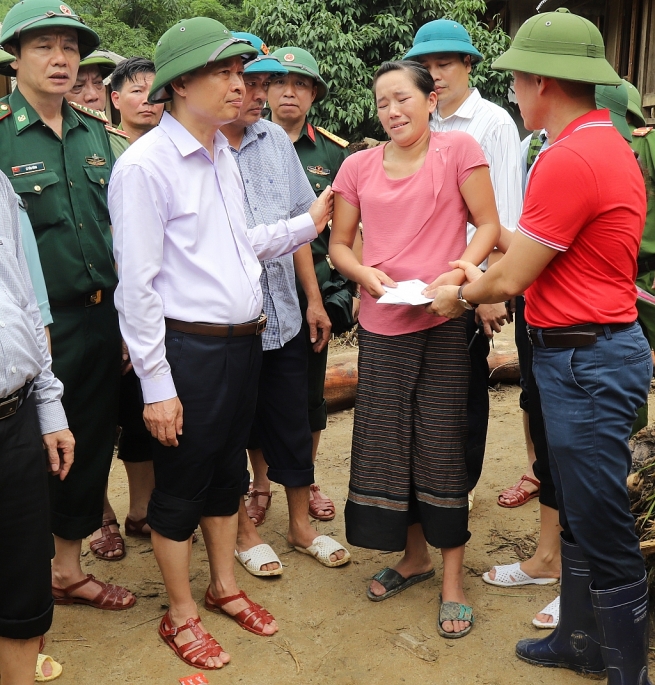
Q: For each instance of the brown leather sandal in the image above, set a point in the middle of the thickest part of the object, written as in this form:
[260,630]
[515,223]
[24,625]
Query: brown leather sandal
[519,495]
[318,502]
[257,513]
[108,542]
[253,618]
[109,597]
[195,653]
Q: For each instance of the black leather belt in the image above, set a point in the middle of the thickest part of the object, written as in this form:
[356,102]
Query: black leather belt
[88,300]
[645,265]
[573,336]
[219,330]
[11,404]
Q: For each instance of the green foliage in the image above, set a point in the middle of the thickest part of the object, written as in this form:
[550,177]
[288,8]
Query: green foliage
[351,38]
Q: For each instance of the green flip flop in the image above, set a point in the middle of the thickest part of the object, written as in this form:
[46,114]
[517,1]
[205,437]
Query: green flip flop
[394,583]
[454,611]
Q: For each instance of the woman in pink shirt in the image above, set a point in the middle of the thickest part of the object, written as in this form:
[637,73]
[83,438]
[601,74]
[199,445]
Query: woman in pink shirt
[408,484]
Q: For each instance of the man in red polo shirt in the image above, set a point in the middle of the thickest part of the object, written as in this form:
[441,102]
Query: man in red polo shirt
[574,256]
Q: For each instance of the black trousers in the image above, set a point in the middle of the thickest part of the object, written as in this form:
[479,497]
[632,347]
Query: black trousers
[281,427]
[216,382]
[134,442]
[26,603]
[531,402]
[478,401]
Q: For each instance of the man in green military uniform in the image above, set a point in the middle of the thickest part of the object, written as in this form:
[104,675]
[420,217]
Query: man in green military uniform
[59,160]
[321,153]
[89,87]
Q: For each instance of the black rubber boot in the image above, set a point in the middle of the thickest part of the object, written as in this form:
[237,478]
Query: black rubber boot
[575,643]
[622,617]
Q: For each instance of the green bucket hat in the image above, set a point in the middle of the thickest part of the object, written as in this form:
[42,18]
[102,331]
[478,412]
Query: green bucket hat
[299,61]
[443,35]
[264,63]
[29,15]
[102,60]
[559,45]
[615,98]
[5,61]
[634,102]
[192,44]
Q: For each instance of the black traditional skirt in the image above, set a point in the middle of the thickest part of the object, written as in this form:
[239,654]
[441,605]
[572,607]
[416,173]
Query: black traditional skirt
[409,439]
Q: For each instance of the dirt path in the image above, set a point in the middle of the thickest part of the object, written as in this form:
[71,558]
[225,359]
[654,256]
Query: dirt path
[329,632]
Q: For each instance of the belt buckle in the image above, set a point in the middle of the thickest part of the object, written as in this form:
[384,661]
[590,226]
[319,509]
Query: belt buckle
[6,408]
[261,325]
[92,299]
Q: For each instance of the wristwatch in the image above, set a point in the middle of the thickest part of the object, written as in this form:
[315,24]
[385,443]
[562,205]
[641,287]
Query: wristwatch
[460,297]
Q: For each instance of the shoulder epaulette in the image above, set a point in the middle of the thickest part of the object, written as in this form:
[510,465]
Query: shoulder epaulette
[5,110]
[116,131]
[330,136]
[95,113]
[643,131]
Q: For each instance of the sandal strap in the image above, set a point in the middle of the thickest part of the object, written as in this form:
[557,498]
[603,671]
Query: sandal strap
[389,578]
[221,602]
[454,611]
[75,586]
[525,477]
[202,648]
[254,614]
[110,594]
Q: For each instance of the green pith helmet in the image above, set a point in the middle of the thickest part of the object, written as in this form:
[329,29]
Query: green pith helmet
[443,35]
[299,61]
[634,102]
[264,63]
[615,98]
[559,45]
[102,60]
[189,45]
[29,15]
[5,61]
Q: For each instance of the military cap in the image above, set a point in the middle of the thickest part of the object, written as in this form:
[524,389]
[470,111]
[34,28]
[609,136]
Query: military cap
[102,60]
[29,15]
[299,61]
[264,63]
[189,45]
[5,61]
[634,102]
[443,35]
[559,45]
[615,98]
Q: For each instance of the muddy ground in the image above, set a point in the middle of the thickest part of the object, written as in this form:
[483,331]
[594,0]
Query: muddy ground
[329,632]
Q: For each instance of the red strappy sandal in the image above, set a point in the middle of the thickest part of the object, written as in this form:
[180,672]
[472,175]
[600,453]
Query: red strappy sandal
[109,597]
[318,502]
[195,653]
[518,495]
[248,618]
[108,542]
[257,513]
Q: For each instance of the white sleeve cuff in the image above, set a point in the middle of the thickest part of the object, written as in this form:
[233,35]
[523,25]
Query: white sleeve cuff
[52,417]
[158,388]
[303,229]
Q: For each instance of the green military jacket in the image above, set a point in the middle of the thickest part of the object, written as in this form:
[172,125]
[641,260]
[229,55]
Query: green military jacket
[643,143]
[321,155]
[63,184]
[118,139]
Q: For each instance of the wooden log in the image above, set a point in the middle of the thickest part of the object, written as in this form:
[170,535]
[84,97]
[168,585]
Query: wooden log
[340,385]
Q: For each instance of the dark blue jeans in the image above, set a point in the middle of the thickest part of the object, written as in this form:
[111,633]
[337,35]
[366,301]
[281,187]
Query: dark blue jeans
[589,397]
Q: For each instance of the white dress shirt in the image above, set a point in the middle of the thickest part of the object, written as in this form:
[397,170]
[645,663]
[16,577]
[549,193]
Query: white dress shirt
[181,244]
[498,137]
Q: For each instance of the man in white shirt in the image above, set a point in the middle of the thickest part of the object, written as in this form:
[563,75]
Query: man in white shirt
[444,47]
[190,304]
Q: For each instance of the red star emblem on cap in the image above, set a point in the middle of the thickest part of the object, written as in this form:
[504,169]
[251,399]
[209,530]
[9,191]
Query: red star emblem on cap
[65,10]
[289,57]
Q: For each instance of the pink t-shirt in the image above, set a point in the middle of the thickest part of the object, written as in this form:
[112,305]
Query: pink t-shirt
[413,226]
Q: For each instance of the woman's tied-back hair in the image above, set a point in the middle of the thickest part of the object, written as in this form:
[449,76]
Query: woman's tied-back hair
[418,73]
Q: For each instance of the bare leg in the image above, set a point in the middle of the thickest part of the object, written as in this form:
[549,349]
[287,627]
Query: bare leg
[316,438]
[18,660]
[173,559]
[220,535]
[107,515]
[260,481]
[301,532]
[453,584]
[67,570]
[248,537]
[532,457]
[141,479]
[416,559]
[546,562]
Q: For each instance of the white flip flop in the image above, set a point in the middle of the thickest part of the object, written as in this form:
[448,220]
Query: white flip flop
[321,549]
[511,575]
[552,610]
[254,558]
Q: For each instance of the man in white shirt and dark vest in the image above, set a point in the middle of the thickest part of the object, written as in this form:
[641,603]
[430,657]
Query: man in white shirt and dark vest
[190,308]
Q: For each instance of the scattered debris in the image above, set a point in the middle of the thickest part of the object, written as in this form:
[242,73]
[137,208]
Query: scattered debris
[414,646]
[285,646]
[523,546]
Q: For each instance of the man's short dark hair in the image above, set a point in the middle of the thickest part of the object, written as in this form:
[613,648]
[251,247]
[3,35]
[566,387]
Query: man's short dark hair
[128,69]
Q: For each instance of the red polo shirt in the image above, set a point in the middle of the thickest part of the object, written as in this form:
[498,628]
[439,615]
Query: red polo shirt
[586,198]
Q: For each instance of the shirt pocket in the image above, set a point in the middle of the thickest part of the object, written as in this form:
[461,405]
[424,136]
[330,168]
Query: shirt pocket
[319,182]
[99,177]
[41,196]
